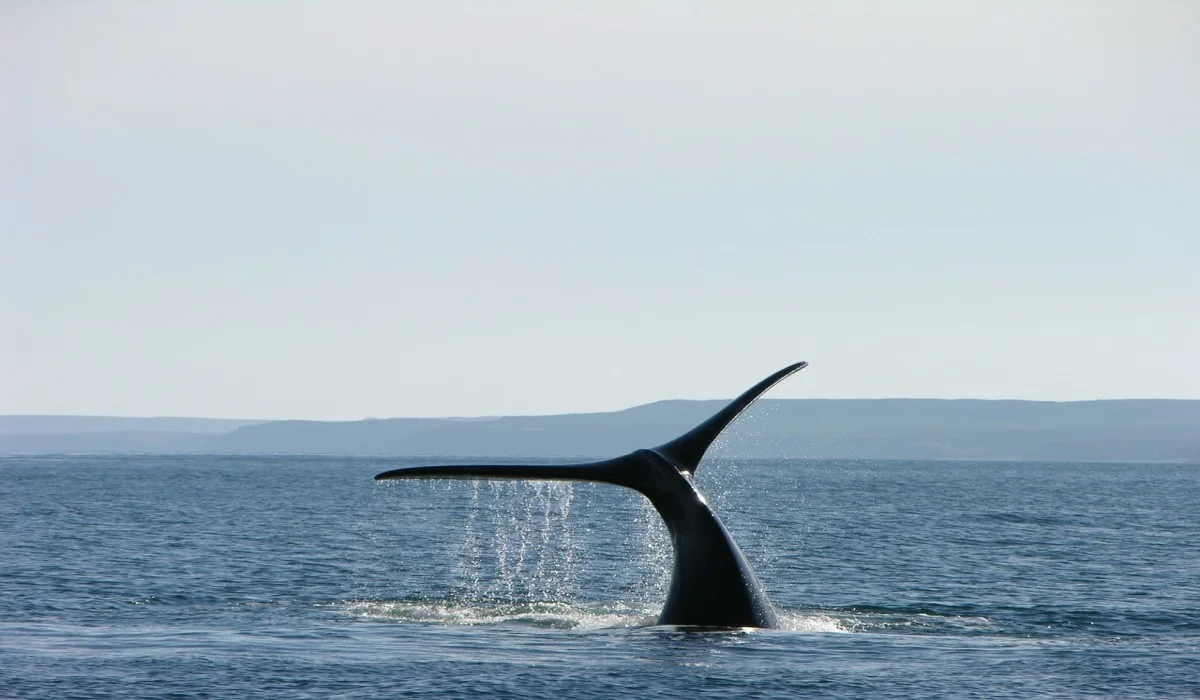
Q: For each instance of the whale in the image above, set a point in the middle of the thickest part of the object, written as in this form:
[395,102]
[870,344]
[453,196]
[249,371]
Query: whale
[712,585]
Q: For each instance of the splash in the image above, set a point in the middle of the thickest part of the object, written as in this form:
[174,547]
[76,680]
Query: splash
[652,544]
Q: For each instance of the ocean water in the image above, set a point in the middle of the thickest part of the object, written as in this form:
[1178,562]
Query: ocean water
[220,576]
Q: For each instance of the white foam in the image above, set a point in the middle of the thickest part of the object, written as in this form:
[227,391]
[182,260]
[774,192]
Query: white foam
[812,622]
[552,615]
[555,615]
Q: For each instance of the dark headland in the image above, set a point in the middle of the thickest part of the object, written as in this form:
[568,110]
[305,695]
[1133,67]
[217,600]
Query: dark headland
[1116,430]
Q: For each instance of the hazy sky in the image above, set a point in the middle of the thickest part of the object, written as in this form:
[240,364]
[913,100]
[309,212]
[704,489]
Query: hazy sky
[336,209]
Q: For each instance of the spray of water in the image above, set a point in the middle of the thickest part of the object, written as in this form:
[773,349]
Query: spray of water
[519,558]
[516,542]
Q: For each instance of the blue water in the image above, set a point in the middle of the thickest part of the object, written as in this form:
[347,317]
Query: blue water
[217,576]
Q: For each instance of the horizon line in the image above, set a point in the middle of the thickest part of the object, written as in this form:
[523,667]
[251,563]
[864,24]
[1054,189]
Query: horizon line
[566,413]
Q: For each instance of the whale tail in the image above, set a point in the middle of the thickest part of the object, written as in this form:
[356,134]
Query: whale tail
[712,584]
[683,453]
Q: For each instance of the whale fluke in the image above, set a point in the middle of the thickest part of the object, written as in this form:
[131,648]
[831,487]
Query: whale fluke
[712,585]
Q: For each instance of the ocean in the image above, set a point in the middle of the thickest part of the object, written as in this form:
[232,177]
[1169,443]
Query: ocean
[249,576]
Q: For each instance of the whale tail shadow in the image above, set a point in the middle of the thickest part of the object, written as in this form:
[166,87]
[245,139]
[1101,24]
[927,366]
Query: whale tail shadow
[711,582]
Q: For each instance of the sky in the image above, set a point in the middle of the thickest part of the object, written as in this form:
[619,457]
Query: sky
[337,210]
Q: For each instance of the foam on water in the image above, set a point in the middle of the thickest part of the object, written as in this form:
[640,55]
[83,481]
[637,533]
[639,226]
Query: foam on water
[551,615]
[909,622]
[812,622]
[560,615]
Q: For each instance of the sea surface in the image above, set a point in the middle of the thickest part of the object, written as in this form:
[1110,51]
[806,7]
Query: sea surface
[247,577]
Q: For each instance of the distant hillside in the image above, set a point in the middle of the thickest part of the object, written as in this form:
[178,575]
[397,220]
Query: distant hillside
[1128,430]
[59,425]
[116,442]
